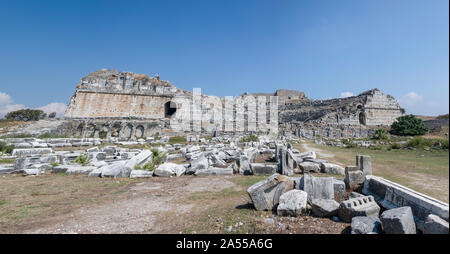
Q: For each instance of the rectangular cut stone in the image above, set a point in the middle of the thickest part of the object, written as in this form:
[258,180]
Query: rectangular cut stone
[363,206]
[266,193]
[31,151]
[318,187]
[364,164]
[214,171]
[263,169]
[393,195]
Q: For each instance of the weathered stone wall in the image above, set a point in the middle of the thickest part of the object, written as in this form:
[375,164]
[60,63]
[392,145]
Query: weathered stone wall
[87,104]
[108,95]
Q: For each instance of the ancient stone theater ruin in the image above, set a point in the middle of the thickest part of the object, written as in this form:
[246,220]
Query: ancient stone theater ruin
[108,103]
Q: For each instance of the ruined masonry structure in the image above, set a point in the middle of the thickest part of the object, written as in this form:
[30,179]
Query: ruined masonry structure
[108,103]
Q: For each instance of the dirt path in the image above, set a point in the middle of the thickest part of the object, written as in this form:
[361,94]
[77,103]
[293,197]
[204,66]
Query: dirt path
[317,151]
[145,207]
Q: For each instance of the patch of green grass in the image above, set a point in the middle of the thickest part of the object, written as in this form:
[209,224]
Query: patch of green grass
[177,140]
[52,135]
[411,168]
[6,161]
[247,181]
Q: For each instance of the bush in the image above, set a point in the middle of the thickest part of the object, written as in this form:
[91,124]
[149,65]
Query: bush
[52,115]
[81,159]
[102,134]
[419,142]
[380,134]
[157,160]
[5,148]
[395,146]
[444,144]
[26,115]
[408,125]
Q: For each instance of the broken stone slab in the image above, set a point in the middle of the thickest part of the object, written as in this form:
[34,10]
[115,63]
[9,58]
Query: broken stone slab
[31,151]
[137,173]
[6,169]
[21,145]
[199,163]
[263,169]
[366,225]
[82,144]
[172,157]
[353,177]
[318,187]
[33,171]
[307,155]
[60,145]
[114,169]
[60,169]
[99,156]
[110,150]
[364,164]
[398,221]
[324,207]
[392,195]
[318,161]
[265,194]
[435,225]
[339,190]
[285,168]
[217,162]
[214,171]
[309,167]
[365,206]
[93,150]
[330,168]
[124,168]
[169,169]
[79,170]
[292,203]
[25,162]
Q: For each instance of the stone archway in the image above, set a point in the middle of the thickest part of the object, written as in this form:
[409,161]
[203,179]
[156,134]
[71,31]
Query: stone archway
[127,131]
[79,130]
[362,118]
[115,130]
[170,108]
[139,131]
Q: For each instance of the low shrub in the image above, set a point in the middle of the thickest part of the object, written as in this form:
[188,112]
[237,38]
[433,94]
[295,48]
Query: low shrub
[380,134]
[81,159]
[6,148]
[250,138]
[419,142]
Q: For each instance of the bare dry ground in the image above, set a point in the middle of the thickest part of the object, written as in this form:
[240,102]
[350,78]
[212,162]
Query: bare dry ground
[58,203]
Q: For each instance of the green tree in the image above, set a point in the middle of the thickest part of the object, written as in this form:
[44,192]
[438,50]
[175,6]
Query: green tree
[408,125]
[26,115]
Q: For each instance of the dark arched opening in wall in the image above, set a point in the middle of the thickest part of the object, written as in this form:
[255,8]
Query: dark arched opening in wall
[169,109]
[362,118]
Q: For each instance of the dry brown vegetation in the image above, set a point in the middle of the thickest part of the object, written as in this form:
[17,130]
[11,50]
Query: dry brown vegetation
[58,203]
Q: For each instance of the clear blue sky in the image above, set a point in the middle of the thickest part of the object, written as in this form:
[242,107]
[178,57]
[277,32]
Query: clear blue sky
[324,48]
